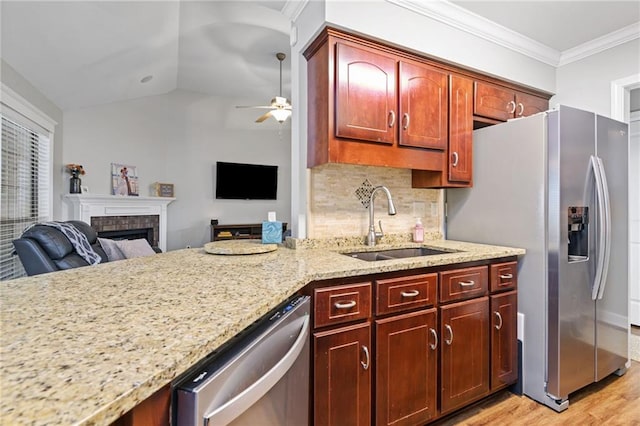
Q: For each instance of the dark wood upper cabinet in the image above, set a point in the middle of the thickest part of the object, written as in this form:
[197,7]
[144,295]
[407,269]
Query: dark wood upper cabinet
[502,103]
[366,106]
[461,130]
[423,106]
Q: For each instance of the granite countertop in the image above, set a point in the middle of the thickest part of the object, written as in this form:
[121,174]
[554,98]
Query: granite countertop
[84,346]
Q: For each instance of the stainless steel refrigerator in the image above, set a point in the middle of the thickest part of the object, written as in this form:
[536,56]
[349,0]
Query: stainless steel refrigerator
[556,184]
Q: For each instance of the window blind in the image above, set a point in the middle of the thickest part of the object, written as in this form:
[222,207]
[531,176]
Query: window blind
[25,188]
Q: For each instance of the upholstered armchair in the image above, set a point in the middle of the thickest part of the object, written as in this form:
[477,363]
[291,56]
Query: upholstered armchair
[43,248]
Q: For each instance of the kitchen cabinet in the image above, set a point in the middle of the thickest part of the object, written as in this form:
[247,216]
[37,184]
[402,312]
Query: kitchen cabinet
[458,170]
[503,103]
[504,324]
[342,376]
[433,341]
[406,350]
[464,370]
[373,105]
[342,355]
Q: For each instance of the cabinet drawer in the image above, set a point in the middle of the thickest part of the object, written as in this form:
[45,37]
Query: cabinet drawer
[503,276]
[399,294]
[339,304]
[460,284]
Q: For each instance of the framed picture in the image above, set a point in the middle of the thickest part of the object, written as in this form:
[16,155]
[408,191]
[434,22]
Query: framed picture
[163,189]
[124,179]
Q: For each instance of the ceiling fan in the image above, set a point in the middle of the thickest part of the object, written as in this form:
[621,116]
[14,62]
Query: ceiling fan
[280,108]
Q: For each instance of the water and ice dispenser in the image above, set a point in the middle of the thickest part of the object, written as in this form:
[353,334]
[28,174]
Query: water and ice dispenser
[578,233]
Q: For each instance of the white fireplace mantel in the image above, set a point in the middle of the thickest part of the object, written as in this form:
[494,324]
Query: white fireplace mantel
[86,206]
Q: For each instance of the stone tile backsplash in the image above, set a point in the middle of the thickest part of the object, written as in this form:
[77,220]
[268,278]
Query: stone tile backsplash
[336,211]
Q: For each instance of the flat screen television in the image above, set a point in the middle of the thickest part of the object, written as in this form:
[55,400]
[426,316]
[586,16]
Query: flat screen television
[237,181]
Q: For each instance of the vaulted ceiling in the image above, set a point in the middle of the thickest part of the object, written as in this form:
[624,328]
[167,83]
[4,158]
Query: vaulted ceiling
[82,53]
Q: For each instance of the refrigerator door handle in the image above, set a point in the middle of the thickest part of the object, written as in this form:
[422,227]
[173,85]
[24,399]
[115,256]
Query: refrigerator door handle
[602,228]
[607,232]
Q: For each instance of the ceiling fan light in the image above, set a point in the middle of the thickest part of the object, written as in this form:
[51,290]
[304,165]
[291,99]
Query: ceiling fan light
[281,114]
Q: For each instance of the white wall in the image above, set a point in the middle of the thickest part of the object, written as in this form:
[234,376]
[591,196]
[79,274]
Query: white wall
[177,138]
[586,84]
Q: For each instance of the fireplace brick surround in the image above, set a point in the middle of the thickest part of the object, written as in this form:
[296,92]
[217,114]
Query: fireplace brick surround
[117,213]
[148,226]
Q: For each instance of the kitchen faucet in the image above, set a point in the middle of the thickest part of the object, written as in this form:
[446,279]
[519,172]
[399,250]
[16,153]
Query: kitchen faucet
[373,235]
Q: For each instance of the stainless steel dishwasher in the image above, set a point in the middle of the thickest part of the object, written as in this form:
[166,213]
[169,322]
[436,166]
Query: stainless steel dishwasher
[260,378]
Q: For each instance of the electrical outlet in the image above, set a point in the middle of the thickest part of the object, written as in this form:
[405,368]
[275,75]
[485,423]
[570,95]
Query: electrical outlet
[434,209]
[419,209]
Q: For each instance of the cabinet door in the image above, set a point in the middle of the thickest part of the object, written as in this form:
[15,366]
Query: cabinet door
[460,129]
[504,339]
[365,94]
[342,376]
[464,369]
[527,105]
[493,101]
[406,369]
[423,106]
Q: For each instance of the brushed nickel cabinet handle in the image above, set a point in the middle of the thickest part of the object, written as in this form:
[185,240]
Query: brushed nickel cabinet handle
[512,104]
[519,114]
[469,283]
[506,276]
[455,159]
[405,119]
[412,293]
[364,364]
[499,317]
[345,305]
[392,118]
[433,345]
[449,341]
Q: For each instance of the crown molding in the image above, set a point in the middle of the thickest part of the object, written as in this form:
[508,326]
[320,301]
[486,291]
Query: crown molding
[599,44]
[293,8]
[464,20]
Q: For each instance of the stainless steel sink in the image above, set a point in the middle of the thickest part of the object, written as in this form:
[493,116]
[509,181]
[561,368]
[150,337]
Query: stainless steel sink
[371,256]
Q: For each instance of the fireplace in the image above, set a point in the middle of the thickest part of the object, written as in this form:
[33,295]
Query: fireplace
[128,227]
[115,216]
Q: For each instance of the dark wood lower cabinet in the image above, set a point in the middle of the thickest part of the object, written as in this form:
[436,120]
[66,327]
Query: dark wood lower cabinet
[406,368]
[464,370]
[504,343]
[342,376]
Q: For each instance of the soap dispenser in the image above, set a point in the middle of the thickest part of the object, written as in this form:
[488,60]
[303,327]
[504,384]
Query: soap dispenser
[418,231]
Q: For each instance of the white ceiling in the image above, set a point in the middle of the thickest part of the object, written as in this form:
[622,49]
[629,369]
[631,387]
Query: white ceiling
[84,53]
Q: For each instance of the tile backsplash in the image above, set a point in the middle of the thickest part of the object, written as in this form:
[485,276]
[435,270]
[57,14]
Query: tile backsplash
[336,211]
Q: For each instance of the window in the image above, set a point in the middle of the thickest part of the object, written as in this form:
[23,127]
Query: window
[25,166]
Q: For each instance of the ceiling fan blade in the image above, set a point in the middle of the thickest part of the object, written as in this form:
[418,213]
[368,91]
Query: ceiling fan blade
[255,106]
[263,117]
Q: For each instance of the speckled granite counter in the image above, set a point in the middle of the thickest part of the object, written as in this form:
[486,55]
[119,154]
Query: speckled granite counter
[84,346]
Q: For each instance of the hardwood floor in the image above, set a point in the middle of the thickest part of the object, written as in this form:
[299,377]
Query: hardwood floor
[613,401]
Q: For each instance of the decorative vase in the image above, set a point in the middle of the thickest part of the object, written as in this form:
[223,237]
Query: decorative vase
[74,184]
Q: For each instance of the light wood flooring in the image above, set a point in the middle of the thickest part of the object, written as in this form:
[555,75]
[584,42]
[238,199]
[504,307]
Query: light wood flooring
[613,401]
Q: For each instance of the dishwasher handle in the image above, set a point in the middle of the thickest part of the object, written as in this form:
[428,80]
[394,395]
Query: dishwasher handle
[237,405]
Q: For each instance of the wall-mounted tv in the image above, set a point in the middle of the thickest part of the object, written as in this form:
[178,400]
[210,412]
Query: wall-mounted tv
[237,181]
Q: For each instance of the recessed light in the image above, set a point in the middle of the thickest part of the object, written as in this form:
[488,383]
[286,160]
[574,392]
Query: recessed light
[146,79]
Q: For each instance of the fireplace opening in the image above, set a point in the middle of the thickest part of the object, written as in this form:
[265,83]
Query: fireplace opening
[129,234]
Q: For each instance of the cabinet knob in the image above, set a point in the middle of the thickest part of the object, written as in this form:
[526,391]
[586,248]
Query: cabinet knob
[506,276]
[345,305]
[469,283]
[512,106]
[499,317]
[405,120]
[411,293]
[521,109]
[433,345]
[392,118]
[449,341]
[365,364]
[455,159]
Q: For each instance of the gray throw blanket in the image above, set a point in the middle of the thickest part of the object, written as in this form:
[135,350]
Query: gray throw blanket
[78,240]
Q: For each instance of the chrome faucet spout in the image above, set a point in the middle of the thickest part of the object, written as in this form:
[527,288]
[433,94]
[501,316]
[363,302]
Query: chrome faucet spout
[373,235]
